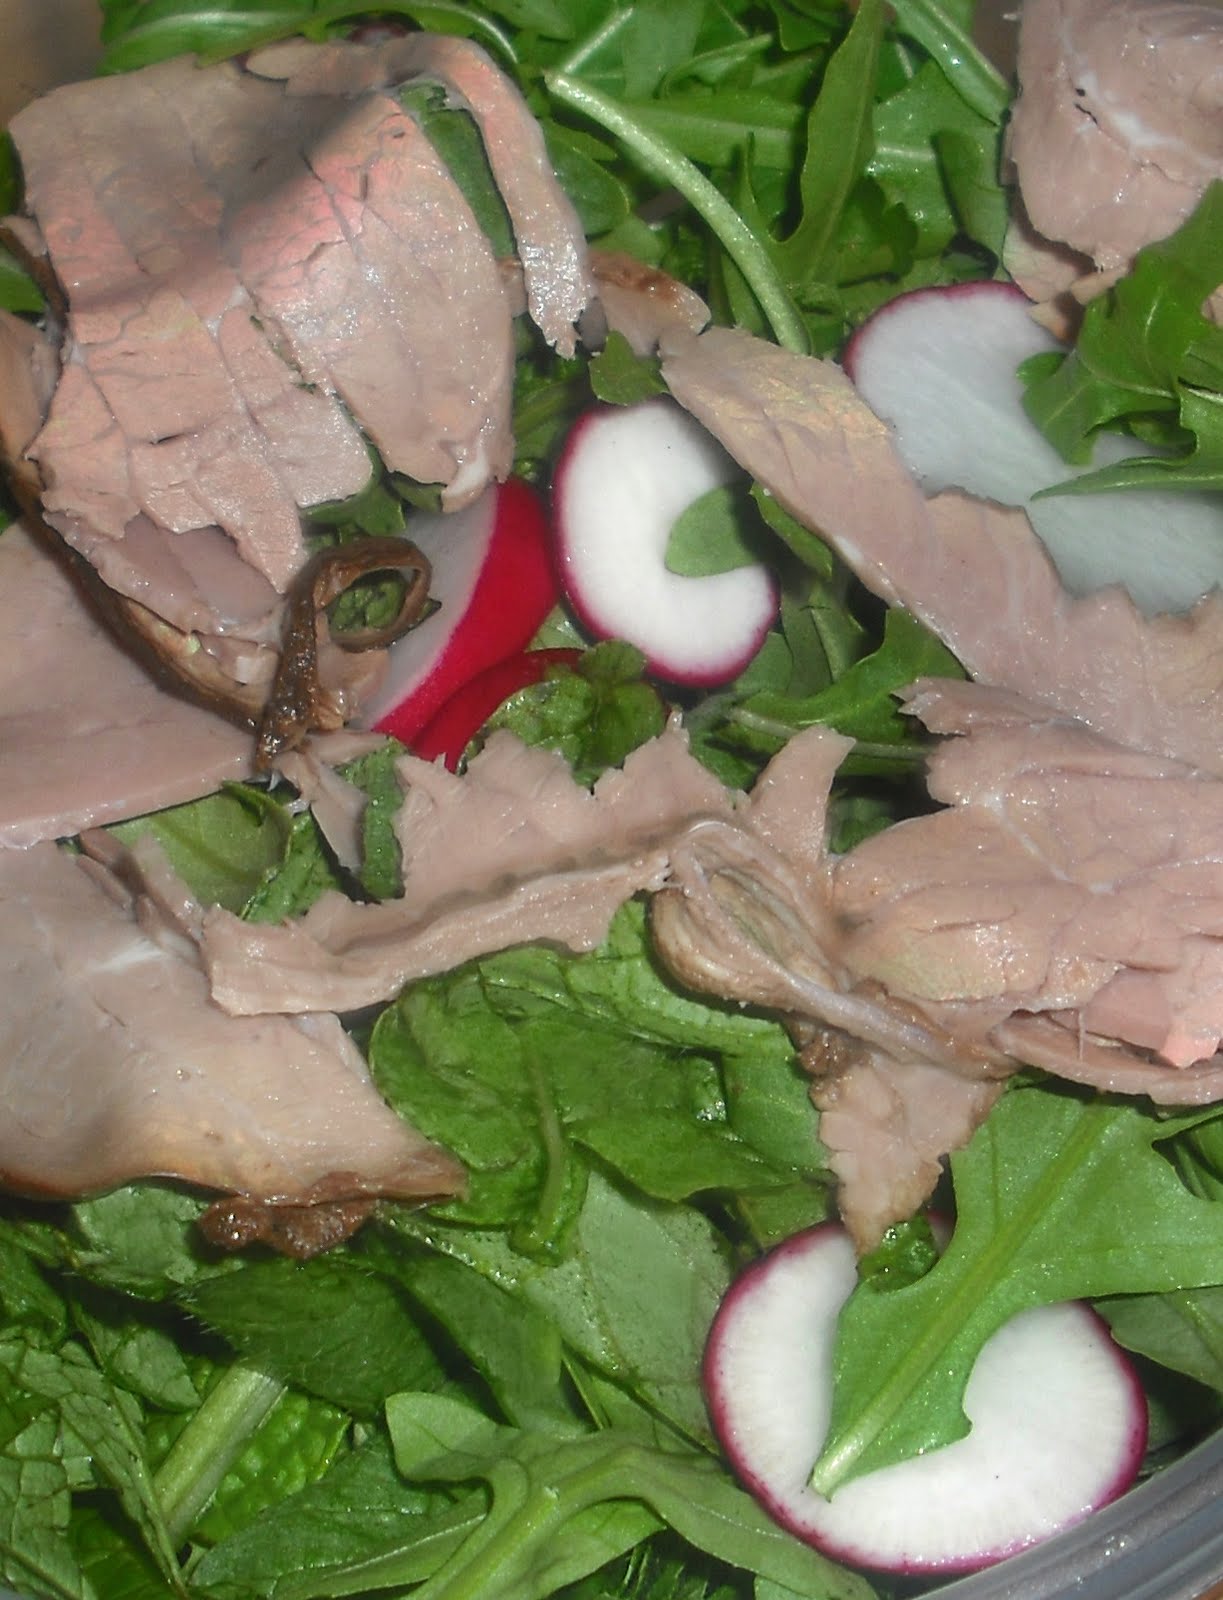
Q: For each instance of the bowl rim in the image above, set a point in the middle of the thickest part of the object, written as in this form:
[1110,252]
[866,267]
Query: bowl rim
[1161,1541]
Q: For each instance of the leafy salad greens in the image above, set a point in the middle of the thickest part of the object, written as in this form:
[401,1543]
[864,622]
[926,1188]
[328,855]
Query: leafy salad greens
[498,1398]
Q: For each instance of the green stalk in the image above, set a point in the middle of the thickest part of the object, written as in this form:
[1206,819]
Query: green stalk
[595,41]
[665,163]
[976,79]
[210,1444]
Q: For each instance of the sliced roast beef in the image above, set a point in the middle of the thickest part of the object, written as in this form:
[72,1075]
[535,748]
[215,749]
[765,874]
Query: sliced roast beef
[118,1065]
[644,304]
[1116,131]
[976,574]
[548,236]
[266,266]
[509,852]
[86,735]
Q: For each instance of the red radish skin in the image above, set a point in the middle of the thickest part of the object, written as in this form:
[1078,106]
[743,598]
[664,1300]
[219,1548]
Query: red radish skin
[454,727]
[940,366]
[494,577]
[1059,1423]
[625,476]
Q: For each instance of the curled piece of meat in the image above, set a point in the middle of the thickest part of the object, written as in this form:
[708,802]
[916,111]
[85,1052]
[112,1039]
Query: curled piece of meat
[299,702]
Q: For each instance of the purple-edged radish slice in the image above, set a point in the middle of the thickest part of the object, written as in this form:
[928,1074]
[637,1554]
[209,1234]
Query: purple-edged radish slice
[494,580]
[940,366]
[625,476]
[1058,1423]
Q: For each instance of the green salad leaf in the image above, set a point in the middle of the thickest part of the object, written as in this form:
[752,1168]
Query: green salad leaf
[1059,1196]
[1146,356]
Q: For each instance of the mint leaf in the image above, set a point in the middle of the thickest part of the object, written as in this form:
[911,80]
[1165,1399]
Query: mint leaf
[594,713]
[618,377]
[338,1534]
[1182,1330]
[633,1298]
[717,533]
[302,1320]
[64,1421]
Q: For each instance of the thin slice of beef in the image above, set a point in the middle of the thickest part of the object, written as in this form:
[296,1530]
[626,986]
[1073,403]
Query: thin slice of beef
[1116,131]
[86,735]
[1069,876]
[976,574]
[169,406]
[511,851]
[264,269]
[644,304]
[117,1064]
[389,295]
[886,1126]
[548,236]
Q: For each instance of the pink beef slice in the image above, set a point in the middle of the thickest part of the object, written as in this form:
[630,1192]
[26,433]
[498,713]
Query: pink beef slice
[254,276]
[1116,132]
[86,736]
[548,236]
[511,851]
[1070,877]
[974,573]
[117,1065]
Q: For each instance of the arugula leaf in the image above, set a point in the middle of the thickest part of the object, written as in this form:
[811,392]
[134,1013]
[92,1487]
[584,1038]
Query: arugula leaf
[839,143]
[1145,351]
[1182,1329]
[1059,1196]
[860,702]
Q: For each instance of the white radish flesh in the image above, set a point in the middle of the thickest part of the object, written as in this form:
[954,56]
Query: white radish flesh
[1058,1423]
[940,366]
[623,481]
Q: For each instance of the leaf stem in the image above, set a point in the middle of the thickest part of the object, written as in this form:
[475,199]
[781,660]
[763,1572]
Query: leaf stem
[210,1444]
[977,80]
[664,162]
[595,41]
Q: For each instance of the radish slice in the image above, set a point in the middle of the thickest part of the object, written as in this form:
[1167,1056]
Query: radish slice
[454,727]
[939,365]
[1059,1423]
[495,583]
[625,476]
